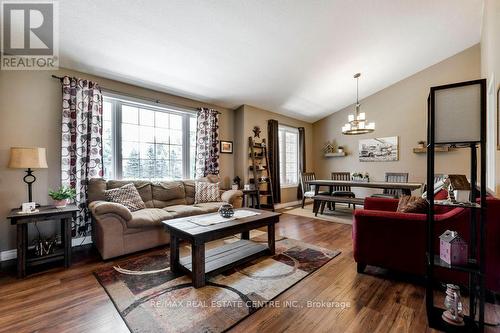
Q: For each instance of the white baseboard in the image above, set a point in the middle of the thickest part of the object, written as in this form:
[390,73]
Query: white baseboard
[287,204]
[12,254]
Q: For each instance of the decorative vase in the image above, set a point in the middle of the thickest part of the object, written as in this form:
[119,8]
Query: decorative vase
[61,203]
[454,308]
[226,210]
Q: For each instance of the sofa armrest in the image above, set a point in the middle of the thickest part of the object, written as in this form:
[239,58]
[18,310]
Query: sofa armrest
[231,196]
[381,204]
[104,207]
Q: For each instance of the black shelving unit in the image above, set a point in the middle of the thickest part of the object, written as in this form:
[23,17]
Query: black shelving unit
[260,175]
[475,267]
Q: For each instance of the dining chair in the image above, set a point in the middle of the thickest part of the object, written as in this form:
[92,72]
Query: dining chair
[393,177]
[341,190]
[308,190]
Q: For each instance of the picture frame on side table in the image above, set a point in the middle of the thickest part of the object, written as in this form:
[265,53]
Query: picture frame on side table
[226,147]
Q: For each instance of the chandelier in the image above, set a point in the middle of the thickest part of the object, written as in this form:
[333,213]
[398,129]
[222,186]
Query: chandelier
[357,123]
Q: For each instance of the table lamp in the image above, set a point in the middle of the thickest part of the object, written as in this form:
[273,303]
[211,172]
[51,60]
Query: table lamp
[28,159]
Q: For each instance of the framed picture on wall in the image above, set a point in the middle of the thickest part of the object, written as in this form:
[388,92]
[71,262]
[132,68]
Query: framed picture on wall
[379,149]
[226,147]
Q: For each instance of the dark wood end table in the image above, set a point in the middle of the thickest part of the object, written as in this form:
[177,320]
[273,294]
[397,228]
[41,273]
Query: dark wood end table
[45,213]
[224,257]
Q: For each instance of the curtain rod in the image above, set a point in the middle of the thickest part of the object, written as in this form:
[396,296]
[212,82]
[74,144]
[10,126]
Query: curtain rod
[157,101]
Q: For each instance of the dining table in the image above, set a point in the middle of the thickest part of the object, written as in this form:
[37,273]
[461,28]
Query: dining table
[406,188]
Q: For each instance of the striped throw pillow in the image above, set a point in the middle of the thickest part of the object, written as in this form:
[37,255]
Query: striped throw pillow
[126,195]
[206,192]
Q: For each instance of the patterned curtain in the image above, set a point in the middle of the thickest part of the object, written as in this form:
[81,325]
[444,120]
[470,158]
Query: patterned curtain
[207,143]
[81,144]
[302,158]
[274,158]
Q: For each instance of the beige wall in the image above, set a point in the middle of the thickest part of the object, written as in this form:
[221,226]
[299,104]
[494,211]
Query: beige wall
[246,117]
[399,110]
[30,108]
[490,68]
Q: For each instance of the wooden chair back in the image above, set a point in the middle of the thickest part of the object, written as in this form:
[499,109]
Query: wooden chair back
[304,178]
[395,177]
[341,176]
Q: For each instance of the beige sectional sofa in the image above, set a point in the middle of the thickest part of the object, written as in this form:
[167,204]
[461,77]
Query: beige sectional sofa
[118,231]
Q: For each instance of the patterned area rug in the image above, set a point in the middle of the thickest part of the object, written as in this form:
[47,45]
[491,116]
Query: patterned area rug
[150,298]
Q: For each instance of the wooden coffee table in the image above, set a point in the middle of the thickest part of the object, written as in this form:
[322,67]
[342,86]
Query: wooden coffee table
[224,257]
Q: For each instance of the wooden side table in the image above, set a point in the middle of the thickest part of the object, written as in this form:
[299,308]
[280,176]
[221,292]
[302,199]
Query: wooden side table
[21,220]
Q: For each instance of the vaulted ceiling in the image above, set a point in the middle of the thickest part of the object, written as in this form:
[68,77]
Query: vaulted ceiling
[294,57]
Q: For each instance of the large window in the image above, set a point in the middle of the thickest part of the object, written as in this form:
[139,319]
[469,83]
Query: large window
[289,155]
[142,140]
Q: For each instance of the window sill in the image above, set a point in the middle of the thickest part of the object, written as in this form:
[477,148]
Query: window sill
[289,185]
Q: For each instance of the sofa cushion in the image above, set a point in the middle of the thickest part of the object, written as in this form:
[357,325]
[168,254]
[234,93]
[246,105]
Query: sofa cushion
[126,195]
[96,188]
[210,207]
[189,187]
[410,204]
[148,217]
[143,187]
[168,193]
[184,210]
[206,192]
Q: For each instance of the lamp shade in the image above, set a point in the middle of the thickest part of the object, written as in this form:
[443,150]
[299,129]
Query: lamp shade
[458,111]
[27,158]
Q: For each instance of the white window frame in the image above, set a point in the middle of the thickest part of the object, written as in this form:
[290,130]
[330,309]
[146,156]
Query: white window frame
[117,101]
[282,159]
[491,135]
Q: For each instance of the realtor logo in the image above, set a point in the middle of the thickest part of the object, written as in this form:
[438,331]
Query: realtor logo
[29,39]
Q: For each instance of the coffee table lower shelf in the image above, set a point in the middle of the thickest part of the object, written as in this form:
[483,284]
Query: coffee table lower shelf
[228,256]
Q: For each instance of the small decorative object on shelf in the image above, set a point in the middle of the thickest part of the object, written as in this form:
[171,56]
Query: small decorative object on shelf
[359,177]
[226,210]
[458,188]
[454,313]
[340,150]
[62,196]
[421,144]
[256,132]
[329,148]
[452,248]
[236,183]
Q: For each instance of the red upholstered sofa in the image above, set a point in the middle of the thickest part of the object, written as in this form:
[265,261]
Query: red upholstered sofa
[385,238]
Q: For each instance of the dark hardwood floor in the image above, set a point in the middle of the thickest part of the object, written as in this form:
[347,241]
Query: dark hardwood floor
[73,301]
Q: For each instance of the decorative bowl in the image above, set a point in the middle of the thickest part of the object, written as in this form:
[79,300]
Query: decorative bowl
[226,210]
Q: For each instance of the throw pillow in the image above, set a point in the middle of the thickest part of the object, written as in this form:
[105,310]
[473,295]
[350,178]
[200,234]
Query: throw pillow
[206,192]
[126,195]
[409,204]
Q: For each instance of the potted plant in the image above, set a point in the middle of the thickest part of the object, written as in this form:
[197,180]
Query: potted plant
[236,183]
[357,176]
[421,144]
[62,196]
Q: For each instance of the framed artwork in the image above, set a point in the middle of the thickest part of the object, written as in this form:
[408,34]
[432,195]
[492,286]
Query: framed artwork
[379,149]
[226,147]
